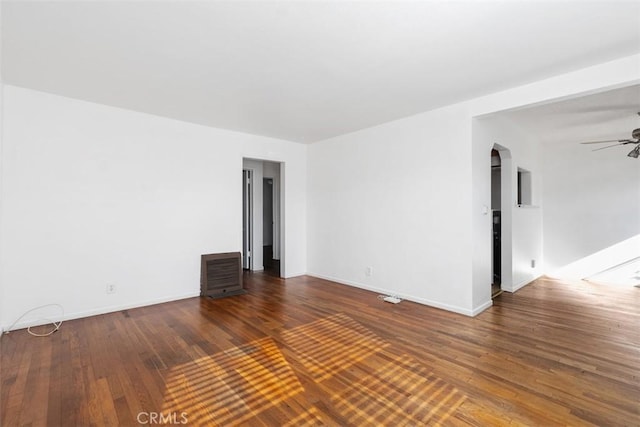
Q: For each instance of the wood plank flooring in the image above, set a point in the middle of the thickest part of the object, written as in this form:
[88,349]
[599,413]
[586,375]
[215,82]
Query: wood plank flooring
[305,351]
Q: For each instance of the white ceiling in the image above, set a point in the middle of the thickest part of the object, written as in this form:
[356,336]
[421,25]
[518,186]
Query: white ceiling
[610,115]
[302,71]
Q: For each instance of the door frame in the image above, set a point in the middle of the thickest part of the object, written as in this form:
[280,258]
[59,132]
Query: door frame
[247,218]
[256,165]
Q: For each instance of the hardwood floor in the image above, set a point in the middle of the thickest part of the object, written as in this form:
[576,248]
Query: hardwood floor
[310,352]
[271,266]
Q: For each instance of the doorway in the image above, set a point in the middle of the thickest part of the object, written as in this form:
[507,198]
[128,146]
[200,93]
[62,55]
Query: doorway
[262,219]
[502,204]
[496,196]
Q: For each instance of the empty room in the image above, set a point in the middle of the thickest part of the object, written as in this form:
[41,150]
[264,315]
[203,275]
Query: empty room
[305,213]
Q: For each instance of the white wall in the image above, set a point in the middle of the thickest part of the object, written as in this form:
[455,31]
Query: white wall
[2,298]
[407,198]
[95,195]
[592,202]
[395,198]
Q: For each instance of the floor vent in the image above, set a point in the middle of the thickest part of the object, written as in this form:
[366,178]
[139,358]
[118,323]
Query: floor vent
[221,275]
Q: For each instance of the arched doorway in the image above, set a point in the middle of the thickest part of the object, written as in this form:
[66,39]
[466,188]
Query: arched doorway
[501,210]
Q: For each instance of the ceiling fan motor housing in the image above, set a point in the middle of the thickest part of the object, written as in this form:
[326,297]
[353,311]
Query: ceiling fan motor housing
[635,134]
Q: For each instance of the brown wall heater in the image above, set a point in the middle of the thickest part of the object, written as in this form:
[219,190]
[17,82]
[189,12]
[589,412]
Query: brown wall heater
[221,275]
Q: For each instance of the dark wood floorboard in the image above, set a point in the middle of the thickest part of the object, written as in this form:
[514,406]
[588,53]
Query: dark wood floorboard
[305,351]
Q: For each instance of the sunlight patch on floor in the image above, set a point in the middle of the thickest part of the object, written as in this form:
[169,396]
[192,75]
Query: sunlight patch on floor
[365,382]
[627,274]
[333,344]
[232,386]
[405,394]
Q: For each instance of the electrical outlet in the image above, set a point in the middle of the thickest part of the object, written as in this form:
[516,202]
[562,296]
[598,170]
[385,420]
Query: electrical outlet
[111,288]
[368,271]
[533,263]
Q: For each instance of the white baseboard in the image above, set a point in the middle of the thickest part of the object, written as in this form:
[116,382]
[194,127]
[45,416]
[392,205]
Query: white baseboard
[116,308]
[101,310]
[522,284]
[423,301]
[295,274]
[481,308]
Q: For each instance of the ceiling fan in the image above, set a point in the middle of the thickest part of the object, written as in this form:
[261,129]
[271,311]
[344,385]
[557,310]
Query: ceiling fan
[635,139]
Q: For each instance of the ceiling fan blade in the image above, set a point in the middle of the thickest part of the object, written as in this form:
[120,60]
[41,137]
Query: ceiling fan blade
[601,142]
[609,146]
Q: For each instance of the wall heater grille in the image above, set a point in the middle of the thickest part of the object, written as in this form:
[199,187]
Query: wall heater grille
[221,275]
